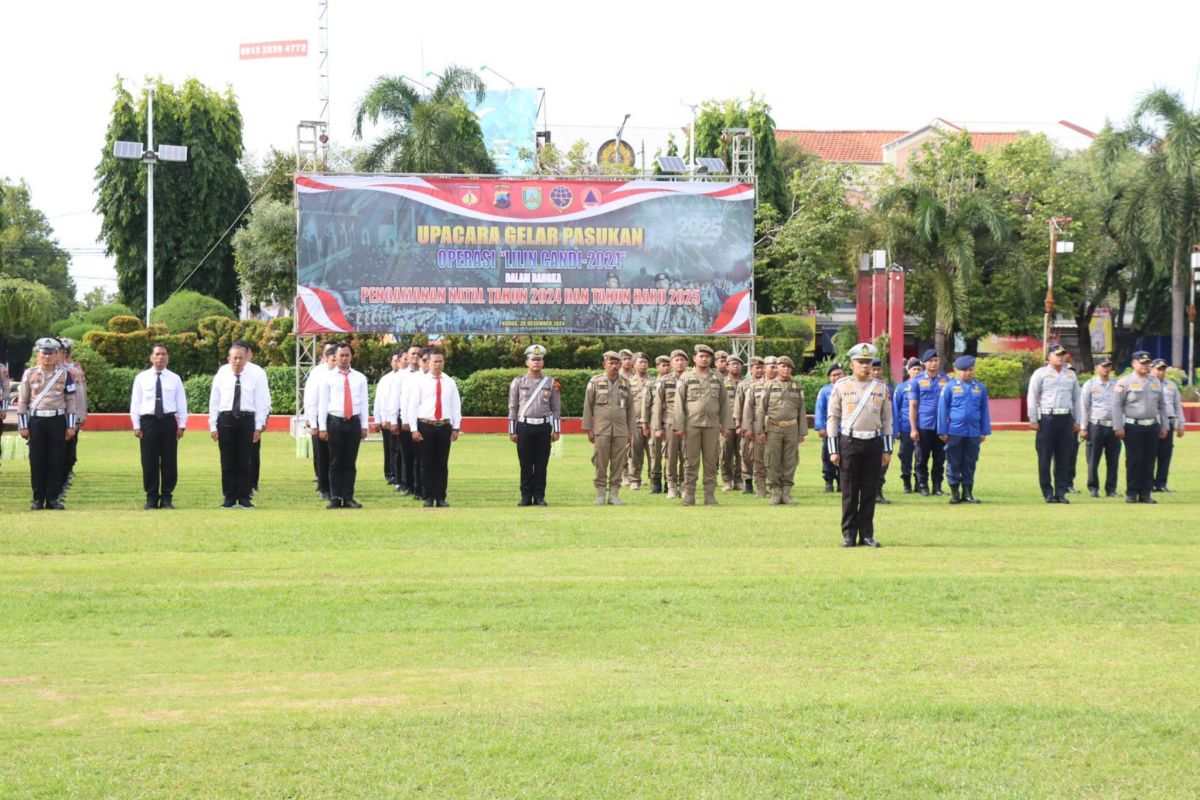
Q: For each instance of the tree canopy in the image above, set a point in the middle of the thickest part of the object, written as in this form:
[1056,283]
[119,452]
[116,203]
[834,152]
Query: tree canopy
[29,251]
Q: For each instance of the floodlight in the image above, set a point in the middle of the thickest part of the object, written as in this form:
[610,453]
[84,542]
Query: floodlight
[711,166]
[1064,247]
[671,165]
[172,152]
[132,150]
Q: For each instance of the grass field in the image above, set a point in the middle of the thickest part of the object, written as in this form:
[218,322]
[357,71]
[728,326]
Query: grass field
[1013,649]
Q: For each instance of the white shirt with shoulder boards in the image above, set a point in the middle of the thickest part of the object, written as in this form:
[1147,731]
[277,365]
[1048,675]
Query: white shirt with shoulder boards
[422,400]
[331,398]
[256,395]
[145,387]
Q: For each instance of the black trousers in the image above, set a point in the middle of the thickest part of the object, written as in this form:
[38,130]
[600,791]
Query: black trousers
[907,448]
[410,459]
[1102,442]
[533,451]
[71,455]
[255,462]
[862,461]
[1074,463]
[435,459]
[1162,466]
[160,452]
[829,472]
[930,444]
[235,438]
[1141,452]
[345,436]
[389,456]
[47,454]
[320,451]
[1055,442]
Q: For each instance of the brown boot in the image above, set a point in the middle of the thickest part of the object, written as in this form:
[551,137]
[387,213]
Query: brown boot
[600,499]
[710,497]
[689,497]
[776,497]
[614,498]
[787,498]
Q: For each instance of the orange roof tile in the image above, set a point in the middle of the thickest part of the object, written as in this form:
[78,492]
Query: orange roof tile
[857,147]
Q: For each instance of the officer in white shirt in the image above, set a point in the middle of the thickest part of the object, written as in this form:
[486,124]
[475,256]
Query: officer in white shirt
[408,471]
[435,411]
[342,418]
[256,450]
[238,407]
[158,410]
[386,385]
[320,449]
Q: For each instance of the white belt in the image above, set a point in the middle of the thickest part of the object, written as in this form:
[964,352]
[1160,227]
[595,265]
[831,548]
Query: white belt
[54,413]
[865,435]
[535,420]
[1057,412]
[1142,422]
[1104,423]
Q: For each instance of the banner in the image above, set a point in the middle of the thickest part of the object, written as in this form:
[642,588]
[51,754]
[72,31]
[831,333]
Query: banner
[406,254]
[1101,328]
[1008,344]
[508,121]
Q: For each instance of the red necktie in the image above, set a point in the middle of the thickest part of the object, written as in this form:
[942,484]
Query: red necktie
[437,408]
[347,400]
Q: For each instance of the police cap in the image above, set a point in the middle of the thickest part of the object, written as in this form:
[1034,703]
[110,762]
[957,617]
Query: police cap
[1141,357]
[613,354]
[877,363]
[912,362]
[930,354]
[1159,362]
[678,354]
[1059,350]
[48,344]
[756,361]
[865,351]
[964,362]
[535,351]
[721,354]
[785,361]
[662,359]
[734,358]
[1104,362]
[626,354]
[640,356]
[769,360]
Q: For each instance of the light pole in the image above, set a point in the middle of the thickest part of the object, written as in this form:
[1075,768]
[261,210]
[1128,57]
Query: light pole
[148,156]
[485,67]
[1055,247]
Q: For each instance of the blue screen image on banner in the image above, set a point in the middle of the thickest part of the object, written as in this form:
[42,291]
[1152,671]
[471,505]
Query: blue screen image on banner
[508,118]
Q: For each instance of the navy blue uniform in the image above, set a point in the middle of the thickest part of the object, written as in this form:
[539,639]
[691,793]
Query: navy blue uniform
[963,415]
[926,390]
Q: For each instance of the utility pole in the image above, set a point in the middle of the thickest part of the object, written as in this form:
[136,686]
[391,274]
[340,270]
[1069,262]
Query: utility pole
[1055,246]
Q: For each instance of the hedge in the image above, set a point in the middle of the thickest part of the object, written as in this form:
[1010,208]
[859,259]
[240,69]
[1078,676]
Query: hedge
[110,390]
[485,393]
[1002,377]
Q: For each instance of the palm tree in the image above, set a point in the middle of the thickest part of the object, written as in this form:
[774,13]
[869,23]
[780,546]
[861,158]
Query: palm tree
[1160,206]
[431,133]
[937,219]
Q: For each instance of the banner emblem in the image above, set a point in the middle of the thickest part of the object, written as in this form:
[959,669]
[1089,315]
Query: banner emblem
[531,196]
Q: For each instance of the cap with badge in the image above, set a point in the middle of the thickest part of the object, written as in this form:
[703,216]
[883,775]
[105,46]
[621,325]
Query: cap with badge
[785,361]
[48,344]
[864,351]
[769,360]
[535,351]
[67,344]
[1059,350]
[756,361]
[1104,362]
[1159,362]
[733,358]
[721,354]
[930,355]
[702,348]
[612,354]
[1141,357]
[662,359]
[678,354]
[964,362]
[626,354]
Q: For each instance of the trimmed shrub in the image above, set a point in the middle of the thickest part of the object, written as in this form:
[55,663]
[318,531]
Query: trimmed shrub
[1002,377]
[485,393]
[182,311]
[282,381]
[812,385]
[124,324]
[784,326]
[197,388]
[100,315]
[109,390]
[76,330]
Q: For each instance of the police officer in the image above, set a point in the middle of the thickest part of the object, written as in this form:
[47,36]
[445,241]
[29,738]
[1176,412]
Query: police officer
[964,422]
[751,397]
[641,383]
[923,398]
[664,423]
[1139,419]
[158,411]
[781,423]
[534,423]
[608,418]
[903,423]
[47,415]
[1095,417]
[860,443]
[731,448]
[658,446]
[877,375]
[75,375]
[1053,400]
[744,426]
[829,470]
[703,417]
[1175,423]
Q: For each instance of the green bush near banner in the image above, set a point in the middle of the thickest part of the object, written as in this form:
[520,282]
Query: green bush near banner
[485,393]
[812,385]
[124,324]
[110,389]
[197,388]
[786,326]
[182,311]
[1002,377]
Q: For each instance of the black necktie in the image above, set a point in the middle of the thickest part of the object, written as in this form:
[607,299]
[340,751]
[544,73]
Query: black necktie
[158,403]
[237,395]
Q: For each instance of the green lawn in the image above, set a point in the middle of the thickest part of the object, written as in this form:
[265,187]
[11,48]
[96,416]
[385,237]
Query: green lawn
[1013,649]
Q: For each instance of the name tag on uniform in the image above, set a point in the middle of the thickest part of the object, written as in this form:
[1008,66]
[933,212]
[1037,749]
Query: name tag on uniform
[923,384]
[957,390]
[975,390]
[1134,386]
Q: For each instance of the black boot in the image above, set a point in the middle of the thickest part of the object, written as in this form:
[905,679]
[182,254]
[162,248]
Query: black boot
[907,483]
[881,500]
[937,490]
[848,539]
[969,495]
[749,486]
[828,487]
[954,498]
[656,484]
[922,488]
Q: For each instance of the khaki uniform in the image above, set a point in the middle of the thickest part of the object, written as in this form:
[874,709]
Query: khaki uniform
[534,416]
[663,419]
[641,389]
[702,408]
[47,416]
[608,413]
[859,438]
[780,416]
[731,451]
[656,446]
[757,451]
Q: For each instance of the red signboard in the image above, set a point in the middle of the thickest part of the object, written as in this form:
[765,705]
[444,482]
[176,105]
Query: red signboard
[285,48]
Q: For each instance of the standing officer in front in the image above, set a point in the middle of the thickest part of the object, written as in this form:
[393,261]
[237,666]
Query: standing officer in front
[342,417]
[47,415]
[158,411]
[703,415]
[1052,401]
[608,418]
[923,396]
[238,406]
[534,423]
[1095,417]
[859,443]
[1175,424]
[964,422]
[1139,420]
[781,423]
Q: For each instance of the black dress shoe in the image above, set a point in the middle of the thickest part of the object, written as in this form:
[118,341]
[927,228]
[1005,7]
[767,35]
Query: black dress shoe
[429,503]
[828,488]
[539,501]
[937,492]
[151,505]
[870,542]
[525,501]
[38,505]
[403,490]
[881,500]
[229,503]
[1131,498]
[1166,490]
[326,496]
[923,491]
[1051,498]
[1148,499]
[847,541]
[1072,490]
[245,503]
[1094,492]
[336,502]
[351,503]
[1111,494]
[443,503]
[166,503]
[1062,498]
[58,505]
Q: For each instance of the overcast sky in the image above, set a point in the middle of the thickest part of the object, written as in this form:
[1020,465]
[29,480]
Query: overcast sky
[831,66]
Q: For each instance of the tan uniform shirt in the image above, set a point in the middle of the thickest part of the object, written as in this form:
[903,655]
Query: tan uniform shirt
[608,406]
[876,416]
[701,401]
[539,397]
[664,403]
[752,393]
[62,395]
[642,390]
[781,403]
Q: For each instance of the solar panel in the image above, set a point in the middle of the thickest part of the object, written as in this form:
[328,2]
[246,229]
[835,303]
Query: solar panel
[671,165]
[172,152]
[127,150]
[713,166]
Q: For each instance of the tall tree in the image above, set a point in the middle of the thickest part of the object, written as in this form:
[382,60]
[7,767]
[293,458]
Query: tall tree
[194,202]
[28,249]
[433,133]
[715,117]
[1161,205]
[265,253]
